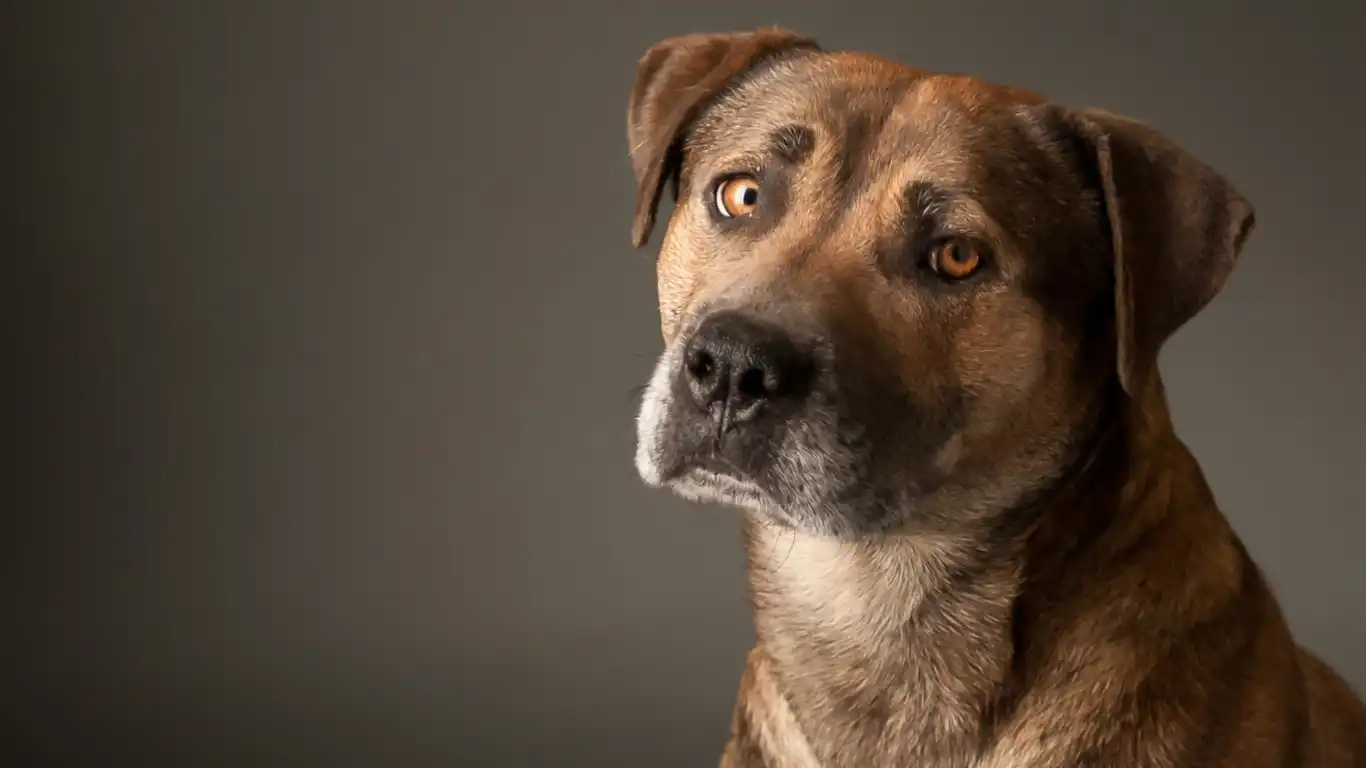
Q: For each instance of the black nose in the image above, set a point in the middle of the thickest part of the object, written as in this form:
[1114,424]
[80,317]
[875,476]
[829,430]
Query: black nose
[735,366]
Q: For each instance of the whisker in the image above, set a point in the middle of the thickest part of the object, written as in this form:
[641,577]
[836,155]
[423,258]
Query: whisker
[636,394]
[771,525]
[792,543]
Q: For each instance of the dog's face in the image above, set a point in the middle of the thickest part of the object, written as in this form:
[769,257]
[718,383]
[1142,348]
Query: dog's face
[892,298]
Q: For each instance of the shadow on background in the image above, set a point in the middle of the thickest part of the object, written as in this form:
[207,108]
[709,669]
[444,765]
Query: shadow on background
[329,326]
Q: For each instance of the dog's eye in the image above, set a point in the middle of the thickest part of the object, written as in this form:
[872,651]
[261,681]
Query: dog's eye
[737,196]
[955,258]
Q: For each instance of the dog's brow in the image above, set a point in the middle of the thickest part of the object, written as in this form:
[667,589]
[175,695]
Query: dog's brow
[924,199]
[792,143]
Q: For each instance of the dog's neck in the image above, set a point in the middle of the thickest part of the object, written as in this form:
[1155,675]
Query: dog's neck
[903,645]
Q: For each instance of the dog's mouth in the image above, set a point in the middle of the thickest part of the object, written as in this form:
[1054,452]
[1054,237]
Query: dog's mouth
[705,480]
[709,486]
[708,462]
[708,467]
[687,456]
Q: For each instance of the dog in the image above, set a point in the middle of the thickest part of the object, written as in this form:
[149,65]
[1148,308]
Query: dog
[911,326]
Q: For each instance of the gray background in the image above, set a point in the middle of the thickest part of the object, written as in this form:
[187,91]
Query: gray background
[329,328]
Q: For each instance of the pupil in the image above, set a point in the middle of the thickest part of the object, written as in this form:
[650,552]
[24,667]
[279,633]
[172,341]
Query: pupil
[749,196]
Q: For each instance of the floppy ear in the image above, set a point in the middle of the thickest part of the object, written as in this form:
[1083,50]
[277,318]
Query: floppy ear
[675,79]
[1177,228]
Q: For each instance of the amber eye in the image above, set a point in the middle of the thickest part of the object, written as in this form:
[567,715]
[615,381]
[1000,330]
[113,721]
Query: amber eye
[955,259]
[737,196]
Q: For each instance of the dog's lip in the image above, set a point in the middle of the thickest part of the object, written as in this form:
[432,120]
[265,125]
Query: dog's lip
[709,467]
[716,475]
[719,481]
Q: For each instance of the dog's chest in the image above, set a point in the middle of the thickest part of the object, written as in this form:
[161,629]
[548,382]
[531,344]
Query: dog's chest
[877,662]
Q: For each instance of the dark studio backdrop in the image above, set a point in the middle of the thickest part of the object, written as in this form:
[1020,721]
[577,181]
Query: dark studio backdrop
[329,325]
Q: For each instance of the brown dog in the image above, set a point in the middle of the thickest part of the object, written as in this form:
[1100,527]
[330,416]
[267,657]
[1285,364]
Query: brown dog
[912,323]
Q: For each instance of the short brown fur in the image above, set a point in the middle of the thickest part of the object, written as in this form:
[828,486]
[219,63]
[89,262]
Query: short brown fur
[1059,587]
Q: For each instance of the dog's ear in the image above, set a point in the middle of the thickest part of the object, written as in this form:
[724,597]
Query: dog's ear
[675,78]
[1177,227]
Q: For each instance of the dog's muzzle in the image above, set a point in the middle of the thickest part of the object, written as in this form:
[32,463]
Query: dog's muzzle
[721,398]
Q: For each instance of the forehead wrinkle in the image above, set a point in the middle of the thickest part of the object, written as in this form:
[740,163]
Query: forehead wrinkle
[765,101]
[930,140]
[736,133]
[924,133]
[851,152]
[816,91]
[920,141]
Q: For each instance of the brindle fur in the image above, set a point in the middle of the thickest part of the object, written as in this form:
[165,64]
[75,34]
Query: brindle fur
[985,546]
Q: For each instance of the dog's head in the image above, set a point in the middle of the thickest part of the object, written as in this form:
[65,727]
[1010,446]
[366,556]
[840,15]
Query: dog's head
[891,297]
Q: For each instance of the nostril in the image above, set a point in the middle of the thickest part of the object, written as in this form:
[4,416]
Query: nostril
[755,384]
[702,365]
